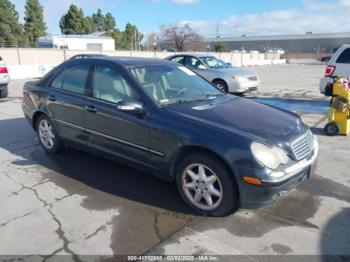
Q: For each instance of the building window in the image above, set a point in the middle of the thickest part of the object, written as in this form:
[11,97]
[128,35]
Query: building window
[94,46]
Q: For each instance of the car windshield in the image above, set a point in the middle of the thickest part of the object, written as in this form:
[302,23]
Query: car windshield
[173,84]
[215,63]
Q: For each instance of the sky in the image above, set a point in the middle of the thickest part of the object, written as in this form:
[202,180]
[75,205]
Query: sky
[231,17]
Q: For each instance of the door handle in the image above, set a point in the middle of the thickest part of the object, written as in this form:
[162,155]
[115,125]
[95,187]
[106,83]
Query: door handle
[91,109]
[52,97]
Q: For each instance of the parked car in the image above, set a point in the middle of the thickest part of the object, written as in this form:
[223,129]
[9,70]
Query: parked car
[4,79]
[223,151]
[81,56]
[224,76]
[338,65]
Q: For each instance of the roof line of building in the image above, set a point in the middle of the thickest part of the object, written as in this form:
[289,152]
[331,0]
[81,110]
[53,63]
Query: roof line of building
[278,37]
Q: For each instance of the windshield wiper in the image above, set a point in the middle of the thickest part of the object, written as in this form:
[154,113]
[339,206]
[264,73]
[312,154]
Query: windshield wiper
[199,98]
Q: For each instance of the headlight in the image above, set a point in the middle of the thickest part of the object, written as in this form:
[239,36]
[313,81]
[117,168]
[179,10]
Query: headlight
[239,78]
[271,158]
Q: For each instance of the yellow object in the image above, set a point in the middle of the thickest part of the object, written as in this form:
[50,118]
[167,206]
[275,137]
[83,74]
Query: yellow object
[339,111]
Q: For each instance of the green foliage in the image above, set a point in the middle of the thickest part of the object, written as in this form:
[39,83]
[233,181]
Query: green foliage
[220,47]
[34,25]
[11,31]
[131,37]
[74,22]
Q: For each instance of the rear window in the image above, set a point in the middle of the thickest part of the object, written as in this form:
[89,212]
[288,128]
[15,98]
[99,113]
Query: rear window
[344,58]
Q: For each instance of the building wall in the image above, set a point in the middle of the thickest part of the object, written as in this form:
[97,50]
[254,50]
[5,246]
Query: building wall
[35,62]
[107,44]
[308,43]
[299,45]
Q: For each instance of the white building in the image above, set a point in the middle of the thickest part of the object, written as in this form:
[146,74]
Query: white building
[77,42]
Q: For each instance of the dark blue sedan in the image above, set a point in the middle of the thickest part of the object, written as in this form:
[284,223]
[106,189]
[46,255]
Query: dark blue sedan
[223,151]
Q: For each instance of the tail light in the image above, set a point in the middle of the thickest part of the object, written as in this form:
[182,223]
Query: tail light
[329,71]
[3,70]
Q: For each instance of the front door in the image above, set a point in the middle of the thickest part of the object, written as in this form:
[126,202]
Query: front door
[119,133]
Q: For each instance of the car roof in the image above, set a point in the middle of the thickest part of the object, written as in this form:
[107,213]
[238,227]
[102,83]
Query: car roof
[198,55]
[81,56]
[129,61]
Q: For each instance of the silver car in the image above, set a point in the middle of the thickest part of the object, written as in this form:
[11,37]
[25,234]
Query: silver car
[4,79]
[224,76]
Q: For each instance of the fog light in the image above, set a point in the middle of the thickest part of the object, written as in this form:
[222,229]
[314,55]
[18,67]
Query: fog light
[252,180]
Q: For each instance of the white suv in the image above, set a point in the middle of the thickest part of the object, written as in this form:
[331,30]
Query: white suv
[339,65]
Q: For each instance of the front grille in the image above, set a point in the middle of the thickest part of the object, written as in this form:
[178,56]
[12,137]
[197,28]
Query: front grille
[303,146]
[253,78]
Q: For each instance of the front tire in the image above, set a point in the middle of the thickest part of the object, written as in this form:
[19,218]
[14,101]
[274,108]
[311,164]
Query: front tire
[206,185]
[221,85]
[48,136]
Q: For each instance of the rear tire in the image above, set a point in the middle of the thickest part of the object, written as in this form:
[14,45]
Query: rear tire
[221,85]
[215,193]
[332,129]
[48,136]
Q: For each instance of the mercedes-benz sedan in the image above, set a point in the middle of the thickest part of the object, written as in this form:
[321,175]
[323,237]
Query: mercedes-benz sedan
[223,151]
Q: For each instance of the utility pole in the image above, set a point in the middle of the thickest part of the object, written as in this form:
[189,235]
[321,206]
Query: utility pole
[135,34]
[217,33]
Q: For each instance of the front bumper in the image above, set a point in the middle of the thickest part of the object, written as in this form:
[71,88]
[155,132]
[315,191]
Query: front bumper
[243,86]
[273,189]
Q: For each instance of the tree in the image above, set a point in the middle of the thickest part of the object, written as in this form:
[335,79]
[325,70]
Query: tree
[98,20]
[11,31]
[179,38]
[220,47]
[103,23]
[74,22]
[151,42]
[131,37]
[110,23]
[34,25]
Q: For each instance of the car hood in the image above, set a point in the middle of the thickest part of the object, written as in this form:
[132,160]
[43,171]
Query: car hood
[249,118]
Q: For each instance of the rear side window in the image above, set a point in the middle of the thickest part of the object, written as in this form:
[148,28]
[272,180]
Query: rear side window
[178,59]
[57,82]
[75,78]
[344,58]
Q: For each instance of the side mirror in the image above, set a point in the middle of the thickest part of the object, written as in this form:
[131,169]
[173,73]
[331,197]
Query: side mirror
[131,106]
[229,64]
[202,67]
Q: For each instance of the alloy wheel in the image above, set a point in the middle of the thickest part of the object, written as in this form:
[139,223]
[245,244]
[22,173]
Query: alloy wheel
[220,86]
[46,134]
[202,186]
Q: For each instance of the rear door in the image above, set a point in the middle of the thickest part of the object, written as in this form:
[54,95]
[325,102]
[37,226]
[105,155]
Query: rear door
[66,100]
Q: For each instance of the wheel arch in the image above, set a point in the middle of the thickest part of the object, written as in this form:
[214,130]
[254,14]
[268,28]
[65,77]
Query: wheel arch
[218,79]
[35,118]
[190,149]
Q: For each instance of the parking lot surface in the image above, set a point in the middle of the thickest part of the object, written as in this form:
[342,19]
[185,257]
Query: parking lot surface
[79,204]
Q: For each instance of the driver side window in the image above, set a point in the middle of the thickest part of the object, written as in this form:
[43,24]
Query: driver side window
[109,85]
